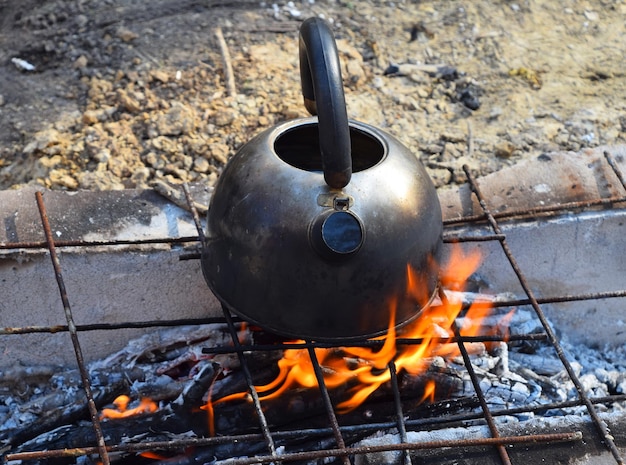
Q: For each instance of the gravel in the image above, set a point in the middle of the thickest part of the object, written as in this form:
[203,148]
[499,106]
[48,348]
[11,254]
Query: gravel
[125,97]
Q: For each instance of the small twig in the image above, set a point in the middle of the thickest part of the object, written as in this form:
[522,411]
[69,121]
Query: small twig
[228,67]
[470,139]
[176,196]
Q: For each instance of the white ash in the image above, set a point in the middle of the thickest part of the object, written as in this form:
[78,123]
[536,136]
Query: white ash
[509,427]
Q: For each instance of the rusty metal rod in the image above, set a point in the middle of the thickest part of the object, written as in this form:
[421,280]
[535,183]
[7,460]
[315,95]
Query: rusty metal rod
[377,343]
[595,418]
[556,299]
[56,264]
[134,447]
[8,330]
[345,452]
[320,454]
[250,383]
[220,320]
[536,212]
[81,243]
[113,326]
[418,423]
[332,418]
[485,238]
[190,256]
[397,401]
[493,429]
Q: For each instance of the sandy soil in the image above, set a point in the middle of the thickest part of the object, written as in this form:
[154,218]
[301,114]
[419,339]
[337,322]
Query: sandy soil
[110,94]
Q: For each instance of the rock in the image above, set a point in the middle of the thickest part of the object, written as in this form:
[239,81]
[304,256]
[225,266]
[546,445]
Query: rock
[367,108]
[127,102]
[116,129]
[352,65]
[23,65]
[225,116]
[140,177]
[81,21]
[80,62]
[430,106]
[90,117]
[166,145]
[125,34]
[452,150]
[102,155]
[62,178]
[196,144]
[153,160]
[422,92]
[504,150]
[98,181]
[50,162]
[220,152]
[201,165]
[159,75]
[179,119]
[469,95]
[454,137]
[173,172]
[186,161]
[118,167]
[432,149]
[562,137]
[42,140]
[440,176]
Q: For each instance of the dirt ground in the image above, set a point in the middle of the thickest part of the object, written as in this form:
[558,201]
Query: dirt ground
[111,94]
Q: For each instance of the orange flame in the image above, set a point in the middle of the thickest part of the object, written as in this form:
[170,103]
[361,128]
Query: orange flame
[121,409]
[153,455]
[367,368]
[429,391]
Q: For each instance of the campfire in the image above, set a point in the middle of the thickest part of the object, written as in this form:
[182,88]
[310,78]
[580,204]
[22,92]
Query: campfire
[470,369]
[367,368]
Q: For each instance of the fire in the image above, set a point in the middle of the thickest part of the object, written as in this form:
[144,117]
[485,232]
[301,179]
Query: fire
[366,368]
[121,409]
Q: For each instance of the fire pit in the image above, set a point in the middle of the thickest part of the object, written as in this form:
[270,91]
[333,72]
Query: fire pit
[544,391]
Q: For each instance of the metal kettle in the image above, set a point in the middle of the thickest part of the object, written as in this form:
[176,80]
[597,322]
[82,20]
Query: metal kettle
[314,223]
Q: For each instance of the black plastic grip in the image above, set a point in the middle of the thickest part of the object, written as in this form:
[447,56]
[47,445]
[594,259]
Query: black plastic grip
[322,88]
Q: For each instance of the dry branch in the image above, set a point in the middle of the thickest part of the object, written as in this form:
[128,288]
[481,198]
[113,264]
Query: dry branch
[228,67]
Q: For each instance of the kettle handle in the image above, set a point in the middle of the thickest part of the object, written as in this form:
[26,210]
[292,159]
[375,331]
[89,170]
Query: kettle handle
[322,88]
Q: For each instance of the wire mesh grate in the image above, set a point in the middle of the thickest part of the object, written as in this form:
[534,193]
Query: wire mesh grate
[335,433]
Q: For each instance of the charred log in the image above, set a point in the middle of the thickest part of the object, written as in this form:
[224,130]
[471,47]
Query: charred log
[54,416]
[295,409]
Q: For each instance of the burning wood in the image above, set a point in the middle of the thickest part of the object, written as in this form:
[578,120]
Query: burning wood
[145,367]
[121,410]
[365,369]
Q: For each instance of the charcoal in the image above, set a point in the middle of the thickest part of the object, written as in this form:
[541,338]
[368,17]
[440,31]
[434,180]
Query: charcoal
[54,416]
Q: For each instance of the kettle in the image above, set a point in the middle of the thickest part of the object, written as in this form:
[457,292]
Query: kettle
[323,228]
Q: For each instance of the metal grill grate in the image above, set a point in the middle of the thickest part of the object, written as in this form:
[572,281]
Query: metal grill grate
[340,450]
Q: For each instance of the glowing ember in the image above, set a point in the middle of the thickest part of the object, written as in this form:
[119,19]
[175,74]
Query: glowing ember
[367,368]
[121,409]
[153,455]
